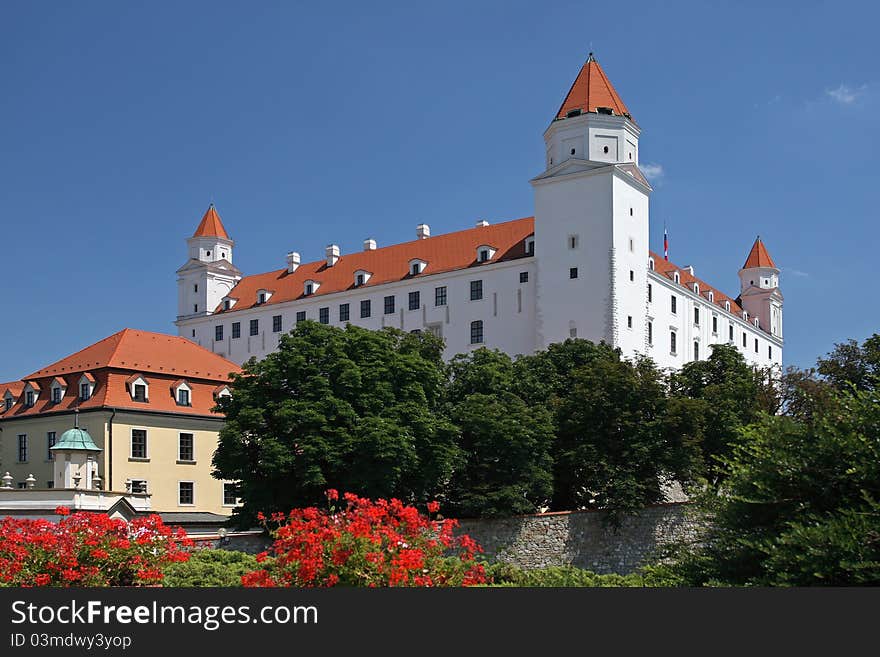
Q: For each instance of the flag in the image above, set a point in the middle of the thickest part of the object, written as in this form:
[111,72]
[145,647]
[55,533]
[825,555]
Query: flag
[665,244]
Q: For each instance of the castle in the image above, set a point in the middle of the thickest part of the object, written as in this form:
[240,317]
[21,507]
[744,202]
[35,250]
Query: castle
[581,267]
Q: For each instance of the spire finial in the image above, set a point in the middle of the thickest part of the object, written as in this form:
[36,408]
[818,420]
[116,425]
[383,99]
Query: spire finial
[590,58]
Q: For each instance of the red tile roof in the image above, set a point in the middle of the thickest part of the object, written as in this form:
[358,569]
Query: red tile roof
[759,256]
[591,90]
[111,362]
[143,351]
[211,226]
[15,387]
[443,253]
[686,279]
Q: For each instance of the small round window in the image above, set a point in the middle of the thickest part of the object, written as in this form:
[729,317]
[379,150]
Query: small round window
[572,151]
[605,149]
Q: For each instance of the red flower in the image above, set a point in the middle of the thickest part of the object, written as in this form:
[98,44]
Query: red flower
[433,507]
[62,511]
[99,554]
[332,494]
[42,579]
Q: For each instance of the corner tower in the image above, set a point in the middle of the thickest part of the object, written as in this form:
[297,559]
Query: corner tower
[591,221]
[759,289]
[208,275]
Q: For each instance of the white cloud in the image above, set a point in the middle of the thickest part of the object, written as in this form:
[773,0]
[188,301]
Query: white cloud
[845,94]
[653,172]
[795,272]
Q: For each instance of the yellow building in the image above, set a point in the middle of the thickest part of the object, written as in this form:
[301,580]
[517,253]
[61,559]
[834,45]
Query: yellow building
[146,399]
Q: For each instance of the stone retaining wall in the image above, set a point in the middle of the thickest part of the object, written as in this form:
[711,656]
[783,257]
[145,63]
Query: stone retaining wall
[580,538]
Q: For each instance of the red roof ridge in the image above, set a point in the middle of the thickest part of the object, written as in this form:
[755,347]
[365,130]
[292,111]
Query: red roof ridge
[719,297]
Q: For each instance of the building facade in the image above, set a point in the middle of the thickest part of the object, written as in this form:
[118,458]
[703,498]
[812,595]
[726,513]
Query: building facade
[581,267]
[147,401]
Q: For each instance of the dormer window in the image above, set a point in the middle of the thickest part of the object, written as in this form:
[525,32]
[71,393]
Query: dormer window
[745,315]
[530,246]
[310,287]
[485,253]
[222,391]
[651,264]
[228,303]
[676,277]
[757,322]
[57,390]
[8,401]
[696,288]
[711,296]
[263,296]
[138,388]
[182,393]
[417,266]
[86,386]
[361,276]
[727,306]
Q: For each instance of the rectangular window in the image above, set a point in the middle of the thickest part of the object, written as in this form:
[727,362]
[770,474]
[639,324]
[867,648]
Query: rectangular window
[573,272]
[672,304]
[261,298]
[276,323]
[29,398]
[745,340]
[769,351]
[185,451]
[255,327]
[629,321]
[300,316]
[672,345]
[484,255]
[365,308]
[9,402]
[697,316]
[756,345]
[414,300]
[389,305]
[730,331]
[632,275]
[524,277]
[138,443]
[85,391]
[236,330]
[696,351]
[229,495]
[440,296]
[359,280]
[530,247]
[476,290]
[185,495]
[50,443]
[22,448]
[650,293]
[714,324]
[477,332]
[183,397]
[343,312]
[140,392]
[56,395]
[650,333]
[138,485]
[218,333]
[572,241]
[324,315]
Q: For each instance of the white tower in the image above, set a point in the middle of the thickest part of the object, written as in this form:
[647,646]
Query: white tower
[759,289]
[209,274]
[591,221]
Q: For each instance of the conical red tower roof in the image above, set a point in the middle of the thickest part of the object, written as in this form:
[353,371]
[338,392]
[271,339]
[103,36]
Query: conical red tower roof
[759,256]
[211,226]
[591,90]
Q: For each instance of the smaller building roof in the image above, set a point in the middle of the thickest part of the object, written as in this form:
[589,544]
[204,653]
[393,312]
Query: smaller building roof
[591,90]
[759,256]
[76,439]
[211,226]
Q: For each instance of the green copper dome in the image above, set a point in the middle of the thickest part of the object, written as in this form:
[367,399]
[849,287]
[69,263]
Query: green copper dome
[77,439]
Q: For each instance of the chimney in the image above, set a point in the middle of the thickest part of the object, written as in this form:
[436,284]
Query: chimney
[370,244]
[332,251]
[292,261]
[689,269]
[423,231]
[481,223]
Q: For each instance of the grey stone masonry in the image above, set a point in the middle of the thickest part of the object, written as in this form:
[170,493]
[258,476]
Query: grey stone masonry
[582,538]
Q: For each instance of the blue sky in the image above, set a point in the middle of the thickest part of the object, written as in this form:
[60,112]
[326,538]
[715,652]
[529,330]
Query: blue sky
[335,122]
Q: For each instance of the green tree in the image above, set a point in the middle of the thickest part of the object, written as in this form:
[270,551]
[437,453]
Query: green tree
[351,409]
[799,505]
[724,391]
[613,450]
[850,364]
[505,443]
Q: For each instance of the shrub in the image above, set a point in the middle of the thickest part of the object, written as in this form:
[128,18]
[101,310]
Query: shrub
[88,549]
[504,574]
[210,568]
[366,543]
